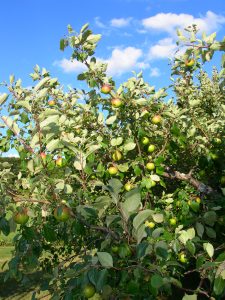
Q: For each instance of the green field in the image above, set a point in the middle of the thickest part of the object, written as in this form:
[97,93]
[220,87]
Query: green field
[12,290]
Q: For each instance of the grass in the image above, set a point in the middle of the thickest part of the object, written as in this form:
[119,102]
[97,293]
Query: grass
[12,290]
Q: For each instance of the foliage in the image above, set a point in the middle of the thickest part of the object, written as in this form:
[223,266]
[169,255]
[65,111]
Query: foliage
[136,241]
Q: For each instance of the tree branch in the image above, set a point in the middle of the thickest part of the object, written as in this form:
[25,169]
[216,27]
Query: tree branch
[200,186]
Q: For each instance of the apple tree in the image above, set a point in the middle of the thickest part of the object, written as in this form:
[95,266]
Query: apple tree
[120,190]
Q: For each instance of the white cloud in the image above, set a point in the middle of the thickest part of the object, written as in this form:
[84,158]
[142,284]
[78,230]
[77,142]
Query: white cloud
[124,60]
[165,48]
[69,66]
[168,22]
[121,22]
[98,23]
[155,72]
[11,155]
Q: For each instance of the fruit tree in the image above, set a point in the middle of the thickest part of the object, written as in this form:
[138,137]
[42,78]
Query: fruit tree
[120,191]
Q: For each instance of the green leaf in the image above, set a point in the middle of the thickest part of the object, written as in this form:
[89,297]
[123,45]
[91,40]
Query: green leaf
[155,177]
[25,104]
[191,247]
[51,119]
[123,167]
[190,297]
[200,229]
[209,249]
[210,232]
[129,146]
[62,44]
[210,218]
[41,83]
[3,98]
[161,249]
[219,285]
[158,218]
[116,141]
[156,281]
[186,235]
[140,233]
[141,217]
[105,259]
[132,200]
[111,120]
[84,27]
[53,145]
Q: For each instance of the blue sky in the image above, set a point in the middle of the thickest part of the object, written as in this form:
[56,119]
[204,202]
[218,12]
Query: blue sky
[136,34]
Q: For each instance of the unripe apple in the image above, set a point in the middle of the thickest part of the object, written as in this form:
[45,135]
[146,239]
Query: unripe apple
[153,183]
[156,119]
[59,161]
[51,102]
[222,180]
[106,89]
[21,217]
[173,221]
[150,166]
[214,156]
[145,140]
[182,257]
[43,155]
[115,249]
[88,291]
[189,62]
[198,200]
[116,102]
[151,148]
[217,141]
[62,213]
[117,155]
[112,170]
[149,224]
[128,186]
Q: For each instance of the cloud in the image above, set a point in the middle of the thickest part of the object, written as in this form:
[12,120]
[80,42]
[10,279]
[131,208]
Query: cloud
[154,72]
[98,23]
[69,66]
[11,155]
[124,60]
[165,48]
[168,22]
[121,22]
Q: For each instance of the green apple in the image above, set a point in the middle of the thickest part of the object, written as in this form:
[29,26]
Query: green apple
[116,102]
[222,180]
[173,221]
[117,155]
[156,119]
[150,166]
[145,140]
[115,249]
[149,224]
[128,186]
[106,89]
[113,170]
[189,62]
[182,257]
[153,183]
[21,217]
[151,148]
[88,291]
[213,155]
[62,213]
[198,200]
[217,141]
